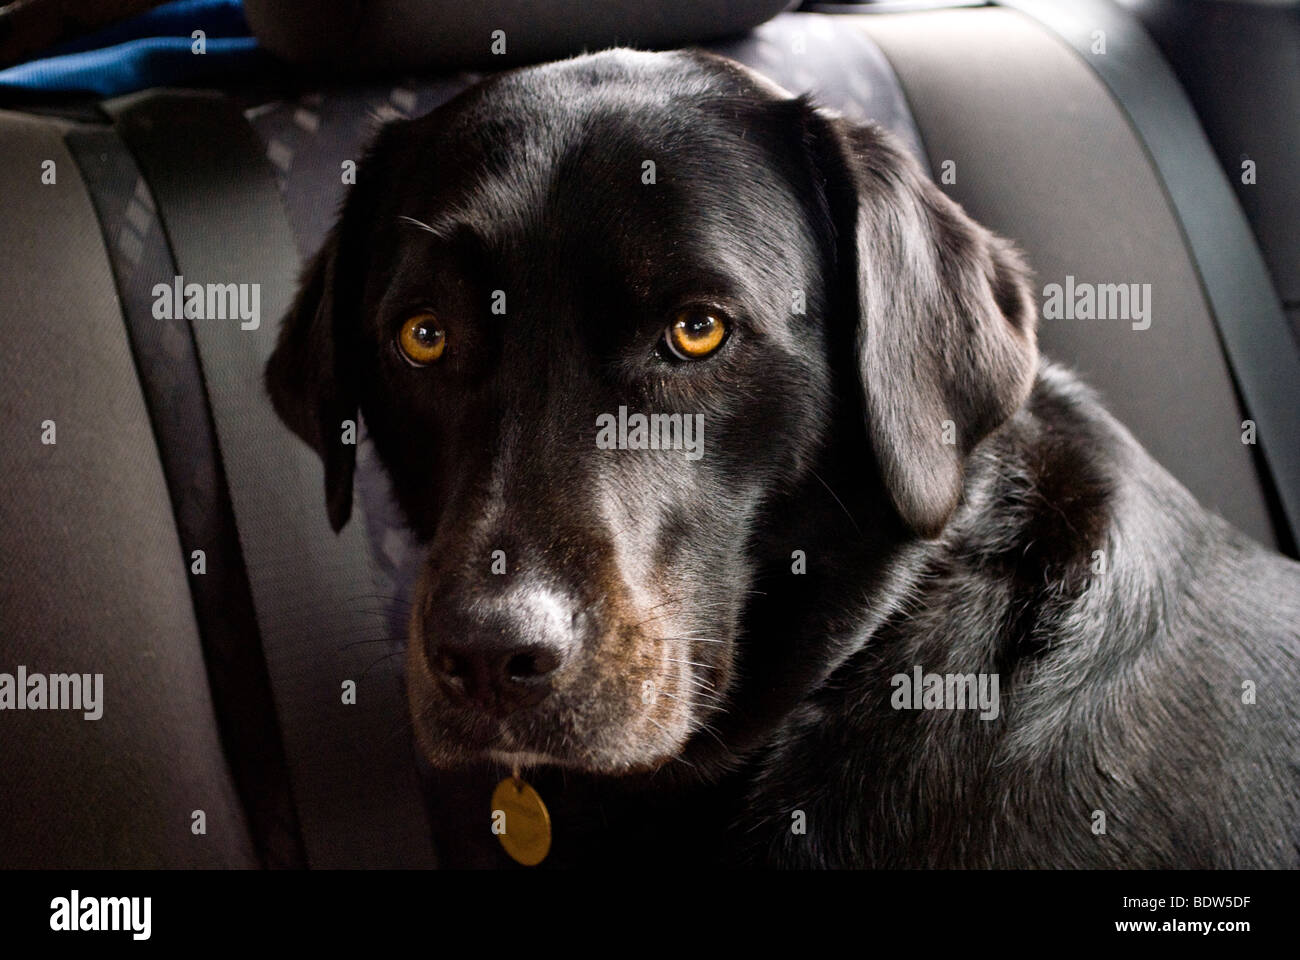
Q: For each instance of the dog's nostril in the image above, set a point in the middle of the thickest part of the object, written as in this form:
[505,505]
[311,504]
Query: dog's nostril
[521,666]
[494,669]
[531,665]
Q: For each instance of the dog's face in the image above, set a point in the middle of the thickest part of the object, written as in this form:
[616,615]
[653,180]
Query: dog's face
[604,320]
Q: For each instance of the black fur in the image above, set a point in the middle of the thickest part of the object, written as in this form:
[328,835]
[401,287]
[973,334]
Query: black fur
[962,505]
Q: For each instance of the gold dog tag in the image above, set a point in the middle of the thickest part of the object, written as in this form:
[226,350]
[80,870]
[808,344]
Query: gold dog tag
[521,822]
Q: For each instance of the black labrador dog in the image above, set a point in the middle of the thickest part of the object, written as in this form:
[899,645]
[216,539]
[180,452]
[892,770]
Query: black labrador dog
[758,531]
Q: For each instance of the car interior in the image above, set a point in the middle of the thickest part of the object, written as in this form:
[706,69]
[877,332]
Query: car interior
[158,524]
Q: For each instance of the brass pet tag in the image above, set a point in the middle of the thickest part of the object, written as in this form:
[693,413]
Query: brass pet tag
[526,830]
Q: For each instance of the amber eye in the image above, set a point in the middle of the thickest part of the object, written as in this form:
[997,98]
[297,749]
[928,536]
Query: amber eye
[421,339]
[695,334]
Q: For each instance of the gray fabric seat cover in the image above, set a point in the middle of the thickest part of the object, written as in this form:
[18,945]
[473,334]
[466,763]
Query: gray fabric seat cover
[93,578]
[1045,156]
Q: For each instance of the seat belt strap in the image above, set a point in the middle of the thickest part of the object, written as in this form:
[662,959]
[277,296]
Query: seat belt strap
[351,760]
[1256,339]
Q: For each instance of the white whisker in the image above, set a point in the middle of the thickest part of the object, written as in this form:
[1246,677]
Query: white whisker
[692,663]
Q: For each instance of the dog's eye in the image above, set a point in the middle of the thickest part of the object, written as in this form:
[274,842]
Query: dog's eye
[421,339]
[695,333]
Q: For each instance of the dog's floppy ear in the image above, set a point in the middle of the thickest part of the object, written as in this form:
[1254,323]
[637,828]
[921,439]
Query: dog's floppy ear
[309,377]
[946,319]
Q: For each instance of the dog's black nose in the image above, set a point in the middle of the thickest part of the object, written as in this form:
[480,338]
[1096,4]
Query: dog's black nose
[502,651]
[496,672]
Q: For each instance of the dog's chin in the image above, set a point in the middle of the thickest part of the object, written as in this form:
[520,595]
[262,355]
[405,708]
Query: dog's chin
[524,760]
[444,753]
[449,740]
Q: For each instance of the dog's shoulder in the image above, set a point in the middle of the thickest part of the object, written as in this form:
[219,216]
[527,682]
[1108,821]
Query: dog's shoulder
[1116,639]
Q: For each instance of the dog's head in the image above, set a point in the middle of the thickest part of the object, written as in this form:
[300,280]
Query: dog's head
[629,333]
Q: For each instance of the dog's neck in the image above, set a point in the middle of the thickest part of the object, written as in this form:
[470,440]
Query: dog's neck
[866,575]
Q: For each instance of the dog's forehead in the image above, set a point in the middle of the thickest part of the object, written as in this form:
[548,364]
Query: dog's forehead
[638,75]
[611,133]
